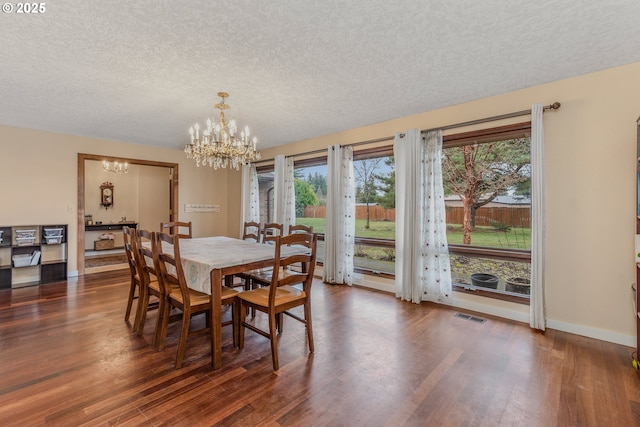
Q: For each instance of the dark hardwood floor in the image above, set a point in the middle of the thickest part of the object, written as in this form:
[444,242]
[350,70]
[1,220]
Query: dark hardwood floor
[67,358]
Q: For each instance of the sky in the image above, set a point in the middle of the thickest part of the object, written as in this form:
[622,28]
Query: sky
[383,169]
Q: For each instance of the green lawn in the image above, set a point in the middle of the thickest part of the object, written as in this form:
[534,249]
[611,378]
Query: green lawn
[514,238]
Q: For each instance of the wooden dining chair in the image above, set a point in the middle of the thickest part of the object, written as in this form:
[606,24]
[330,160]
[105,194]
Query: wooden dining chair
[280,296]
[262,276]
[177,227]
[150,285]
[299,228]
[250,232]
[189,301]
[134,287]
[270,231]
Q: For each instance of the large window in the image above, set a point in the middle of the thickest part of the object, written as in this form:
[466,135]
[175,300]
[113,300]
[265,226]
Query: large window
[311,198]
[265,190]
[487,180]
[488,207]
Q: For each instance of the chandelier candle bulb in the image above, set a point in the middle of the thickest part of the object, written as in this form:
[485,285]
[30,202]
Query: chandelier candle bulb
[115,167]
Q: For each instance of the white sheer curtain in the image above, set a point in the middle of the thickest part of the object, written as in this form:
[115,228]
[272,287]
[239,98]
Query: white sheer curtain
[284,192]
[250,195]
[340,226]
[423,270]
[436,285]
[537,308]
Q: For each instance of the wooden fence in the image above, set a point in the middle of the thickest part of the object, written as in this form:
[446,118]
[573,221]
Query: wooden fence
[376,213]
[510,216]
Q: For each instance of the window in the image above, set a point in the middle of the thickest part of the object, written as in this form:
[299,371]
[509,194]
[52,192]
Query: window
[375,214]
[311,198]
[486,176]
[265,190]
[375,232]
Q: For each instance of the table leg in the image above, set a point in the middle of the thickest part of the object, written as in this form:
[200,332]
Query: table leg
[216,318]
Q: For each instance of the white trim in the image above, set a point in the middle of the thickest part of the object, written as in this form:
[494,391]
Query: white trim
[592,332]
[72,273]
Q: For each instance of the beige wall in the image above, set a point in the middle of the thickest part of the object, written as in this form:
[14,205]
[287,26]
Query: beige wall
[590,195]
[153,199]
[38,171]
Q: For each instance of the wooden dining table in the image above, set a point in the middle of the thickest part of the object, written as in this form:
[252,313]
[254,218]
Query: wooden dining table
[206,260]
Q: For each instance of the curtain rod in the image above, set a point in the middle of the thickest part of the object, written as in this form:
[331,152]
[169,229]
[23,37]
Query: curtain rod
[554,106]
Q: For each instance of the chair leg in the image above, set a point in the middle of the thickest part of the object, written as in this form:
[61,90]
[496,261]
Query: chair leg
[273,336]
[307,318]
[159,323]
[136,320]
[280,319]
[243,315]
[235,307]
[143,307]
[186,319]
[132,293]
[163,323]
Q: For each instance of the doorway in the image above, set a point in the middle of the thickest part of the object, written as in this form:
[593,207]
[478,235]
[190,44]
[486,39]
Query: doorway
[153,183]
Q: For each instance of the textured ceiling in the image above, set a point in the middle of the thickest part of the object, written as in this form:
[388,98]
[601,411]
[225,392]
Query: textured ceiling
[143,71]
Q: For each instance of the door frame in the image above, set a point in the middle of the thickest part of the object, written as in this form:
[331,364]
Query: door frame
[173,193]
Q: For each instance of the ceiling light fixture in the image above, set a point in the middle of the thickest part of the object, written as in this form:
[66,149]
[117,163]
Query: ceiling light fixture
[220,145]
[115,167]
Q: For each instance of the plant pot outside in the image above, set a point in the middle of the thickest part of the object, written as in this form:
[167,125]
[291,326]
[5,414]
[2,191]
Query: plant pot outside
[485,280]
[520,285]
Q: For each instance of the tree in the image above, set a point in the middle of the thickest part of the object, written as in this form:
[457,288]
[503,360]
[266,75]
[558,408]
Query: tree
[366,191]
[388,186]
[523,188]
[478,173]
[297,173]
[318,183]
[304,196]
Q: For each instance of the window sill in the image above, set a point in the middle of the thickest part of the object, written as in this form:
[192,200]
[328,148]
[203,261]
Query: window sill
[465,289]
[488,293]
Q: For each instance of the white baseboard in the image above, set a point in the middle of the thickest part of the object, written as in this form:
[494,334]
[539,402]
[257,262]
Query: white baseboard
[572,328]
[72,273]
[592,332]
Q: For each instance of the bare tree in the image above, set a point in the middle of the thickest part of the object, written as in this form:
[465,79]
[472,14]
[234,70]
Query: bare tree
[366,180]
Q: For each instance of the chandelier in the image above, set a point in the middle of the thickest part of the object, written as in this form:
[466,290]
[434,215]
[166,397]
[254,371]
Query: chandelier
[115,167]
[219,144]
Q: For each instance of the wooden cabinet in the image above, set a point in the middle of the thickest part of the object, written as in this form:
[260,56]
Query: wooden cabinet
[93,232]
[32,255]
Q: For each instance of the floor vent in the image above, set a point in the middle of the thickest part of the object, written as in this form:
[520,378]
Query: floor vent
[471,318]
